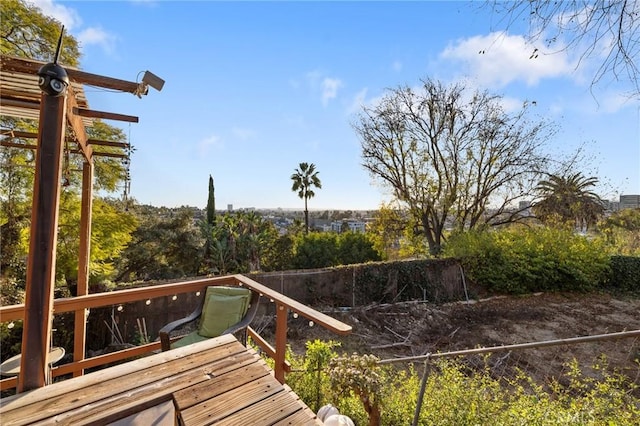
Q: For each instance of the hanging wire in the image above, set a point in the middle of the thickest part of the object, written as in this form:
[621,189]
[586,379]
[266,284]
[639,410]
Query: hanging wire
[127,174]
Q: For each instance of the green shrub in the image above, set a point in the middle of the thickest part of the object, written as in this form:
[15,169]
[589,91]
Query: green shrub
[624,275]
[521,260]
[455,395]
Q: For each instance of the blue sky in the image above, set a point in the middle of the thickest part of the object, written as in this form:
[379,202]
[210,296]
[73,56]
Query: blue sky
[254,88]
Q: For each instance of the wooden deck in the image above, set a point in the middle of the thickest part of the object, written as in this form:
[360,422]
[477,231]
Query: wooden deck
[218,381]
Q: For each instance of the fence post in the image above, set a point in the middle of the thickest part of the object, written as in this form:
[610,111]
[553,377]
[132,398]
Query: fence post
[423,386]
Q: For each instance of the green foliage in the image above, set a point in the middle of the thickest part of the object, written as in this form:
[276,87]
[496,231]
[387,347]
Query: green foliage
[360,375]
[211,203]
[455,395]
[26,32]
[625,274]
[324,249]
[355,247]
[238,242]
[316,250]
[278,255]
[312,384]
[304,180]
[403,280]
[161,248]
[520,259]
[386,230]
[622,231]
[110,233]
[569,200]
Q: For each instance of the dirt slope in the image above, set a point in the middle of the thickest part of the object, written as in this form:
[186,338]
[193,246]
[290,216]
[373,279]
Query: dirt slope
[410,329]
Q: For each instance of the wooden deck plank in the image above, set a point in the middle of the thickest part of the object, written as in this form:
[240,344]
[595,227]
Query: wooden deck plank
[61,388]
[264,413]
[127,403]
[304,417]
[226,404]
[221,383]
[19,411]
[217,381]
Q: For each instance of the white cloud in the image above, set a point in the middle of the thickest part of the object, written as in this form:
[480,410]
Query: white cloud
[497,59]
[67,16]
[208,143]
[97,36]
[330,88]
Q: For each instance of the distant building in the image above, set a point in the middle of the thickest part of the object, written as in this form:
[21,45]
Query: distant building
[525,208]
[229,207]
[629,202]
[353,225]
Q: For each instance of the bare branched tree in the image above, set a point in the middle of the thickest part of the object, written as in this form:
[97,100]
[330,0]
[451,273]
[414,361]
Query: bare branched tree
[453,158]
[603,30]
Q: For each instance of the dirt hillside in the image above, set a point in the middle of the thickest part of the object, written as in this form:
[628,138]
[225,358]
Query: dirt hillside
[415,328]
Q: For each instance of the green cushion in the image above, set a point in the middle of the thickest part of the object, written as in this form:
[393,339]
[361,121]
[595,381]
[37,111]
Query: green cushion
[190,338]
[223,307]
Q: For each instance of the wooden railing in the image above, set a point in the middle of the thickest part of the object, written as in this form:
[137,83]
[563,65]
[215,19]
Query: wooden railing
[79,304]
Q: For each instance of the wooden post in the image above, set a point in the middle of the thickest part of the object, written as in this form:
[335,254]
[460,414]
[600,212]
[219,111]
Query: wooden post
[80,329]
[36,334]
[281,341]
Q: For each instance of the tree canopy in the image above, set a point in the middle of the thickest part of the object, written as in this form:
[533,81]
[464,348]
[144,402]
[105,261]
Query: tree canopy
[453,158]
[569,199]
[26,32]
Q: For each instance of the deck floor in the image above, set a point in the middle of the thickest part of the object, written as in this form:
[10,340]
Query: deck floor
[218,381]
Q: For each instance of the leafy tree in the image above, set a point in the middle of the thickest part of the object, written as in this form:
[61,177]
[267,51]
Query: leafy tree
[211,203]
[240,241]
[304,180]
[568,199]
[278,256]
[16,179]
[161,248]
[356,247]
[386,231]
[603,30]
[26,32]
[316,250]
[451,158]
[622,231]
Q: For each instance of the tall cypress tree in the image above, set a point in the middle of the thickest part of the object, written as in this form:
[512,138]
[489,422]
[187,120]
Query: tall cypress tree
[211,203]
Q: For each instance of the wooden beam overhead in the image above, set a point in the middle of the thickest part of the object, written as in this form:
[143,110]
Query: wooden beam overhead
[20,103]
[10,63]
[30,135]
[83,112]
[77,125]
[73,151]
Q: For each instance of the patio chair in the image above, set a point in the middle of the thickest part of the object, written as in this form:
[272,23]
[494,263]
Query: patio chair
[223,310]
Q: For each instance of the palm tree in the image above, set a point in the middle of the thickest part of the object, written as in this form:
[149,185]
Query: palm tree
[569,199]
[304,179]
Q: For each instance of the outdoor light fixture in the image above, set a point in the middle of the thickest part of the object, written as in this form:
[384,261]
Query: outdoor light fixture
[53,79]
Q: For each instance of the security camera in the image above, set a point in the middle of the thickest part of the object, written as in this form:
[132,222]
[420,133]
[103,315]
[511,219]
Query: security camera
[53,79]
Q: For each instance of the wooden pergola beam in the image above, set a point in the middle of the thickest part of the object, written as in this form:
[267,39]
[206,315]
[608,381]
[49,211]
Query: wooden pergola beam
[31,135]
[84,112]
[77,125]
[10,63]
[73,151]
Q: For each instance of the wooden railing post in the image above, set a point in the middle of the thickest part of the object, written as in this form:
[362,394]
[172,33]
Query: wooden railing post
[281,341]
[80,329]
